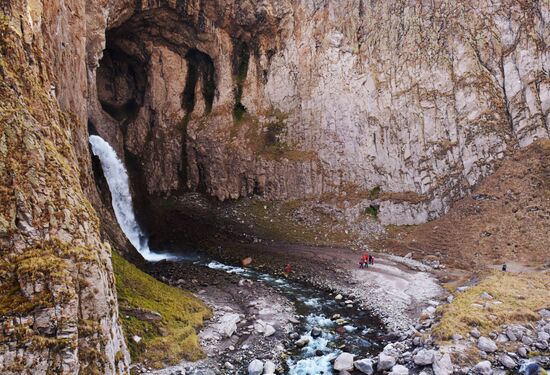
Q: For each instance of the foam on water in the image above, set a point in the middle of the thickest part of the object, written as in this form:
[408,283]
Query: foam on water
[117,179]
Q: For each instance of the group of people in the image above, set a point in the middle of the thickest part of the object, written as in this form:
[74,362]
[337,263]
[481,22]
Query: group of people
[366,259]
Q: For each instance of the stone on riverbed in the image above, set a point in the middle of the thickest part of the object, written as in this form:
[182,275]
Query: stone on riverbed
[302,342]
[269,368]
[442,365]
[424,357]
[256,367]
[228,324]
[507,361]
[344,362]
[316,332]
[269,330]
[483,368]
[386,362]
[365,366]
[399,370]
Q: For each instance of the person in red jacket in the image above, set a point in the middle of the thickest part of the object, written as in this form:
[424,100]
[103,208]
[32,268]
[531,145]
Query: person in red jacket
[288,269]
[364,263]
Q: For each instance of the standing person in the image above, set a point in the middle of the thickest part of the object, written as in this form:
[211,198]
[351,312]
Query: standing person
[365,261]
[371,260]
[504,267]
[288,268]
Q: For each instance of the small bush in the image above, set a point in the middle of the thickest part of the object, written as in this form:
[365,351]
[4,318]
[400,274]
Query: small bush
[372,211]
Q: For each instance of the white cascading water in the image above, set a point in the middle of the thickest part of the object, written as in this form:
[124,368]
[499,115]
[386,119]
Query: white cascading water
[117,179]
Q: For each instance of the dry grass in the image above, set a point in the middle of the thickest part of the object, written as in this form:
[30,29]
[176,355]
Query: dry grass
[522,295]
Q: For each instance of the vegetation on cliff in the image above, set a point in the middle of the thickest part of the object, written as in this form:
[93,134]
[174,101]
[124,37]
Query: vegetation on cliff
[169,338]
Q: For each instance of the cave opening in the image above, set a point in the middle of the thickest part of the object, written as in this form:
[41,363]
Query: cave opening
[121,81]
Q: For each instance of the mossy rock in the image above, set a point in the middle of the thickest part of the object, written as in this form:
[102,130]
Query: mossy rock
[174,337]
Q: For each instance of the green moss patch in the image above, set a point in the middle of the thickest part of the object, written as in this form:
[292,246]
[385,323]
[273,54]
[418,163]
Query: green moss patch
[163,342]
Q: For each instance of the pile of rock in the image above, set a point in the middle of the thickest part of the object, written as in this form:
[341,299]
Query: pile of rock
[507,349]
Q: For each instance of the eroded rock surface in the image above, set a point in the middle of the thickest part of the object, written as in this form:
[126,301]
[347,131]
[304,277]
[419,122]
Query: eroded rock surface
[294,99]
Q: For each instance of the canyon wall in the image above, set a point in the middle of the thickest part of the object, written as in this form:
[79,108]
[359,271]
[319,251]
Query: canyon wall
[299,99]
[58,305]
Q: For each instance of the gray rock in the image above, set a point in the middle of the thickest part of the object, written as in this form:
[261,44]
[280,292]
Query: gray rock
[475,333]
[386,362]
[522,351]
[269,330]
[545,313]
[344,362]
[256,367]
[541,345]
[399,370]
[486,295]
[543,336]
[364,365]
[424,357]
[228,324]
[302,342]
[507,361]
[269,368]
[316,332]
[502,338]
[442,365]
[526,340]
[483,368]
[486,344]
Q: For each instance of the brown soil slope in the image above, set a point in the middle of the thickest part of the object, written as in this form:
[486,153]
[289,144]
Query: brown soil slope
[505,219]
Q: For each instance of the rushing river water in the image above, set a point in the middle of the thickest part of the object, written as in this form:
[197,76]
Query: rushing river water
[337,324]
[327,325]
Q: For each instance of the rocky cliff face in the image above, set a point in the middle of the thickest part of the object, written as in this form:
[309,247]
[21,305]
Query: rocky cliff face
[294,99]
[58,307]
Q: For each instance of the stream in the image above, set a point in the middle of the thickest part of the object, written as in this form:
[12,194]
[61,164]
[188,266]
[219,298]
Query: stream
[328,325]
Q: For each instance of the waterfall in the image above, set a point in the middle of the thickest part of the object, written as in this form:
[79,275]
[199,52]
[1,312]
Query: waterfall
[117,179]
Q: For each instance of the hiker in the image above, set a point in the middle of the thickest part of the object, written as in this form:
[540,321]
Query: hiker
[288,269]
[371,260]
[364,263]
[504,267]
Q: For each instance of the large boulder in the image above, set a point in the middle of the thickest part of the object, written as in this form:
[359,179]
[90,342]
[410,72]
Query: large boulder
[424,357]
[344,362]
[442,365]
[256,367]
[386,362]
[486,344]
[365,366]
